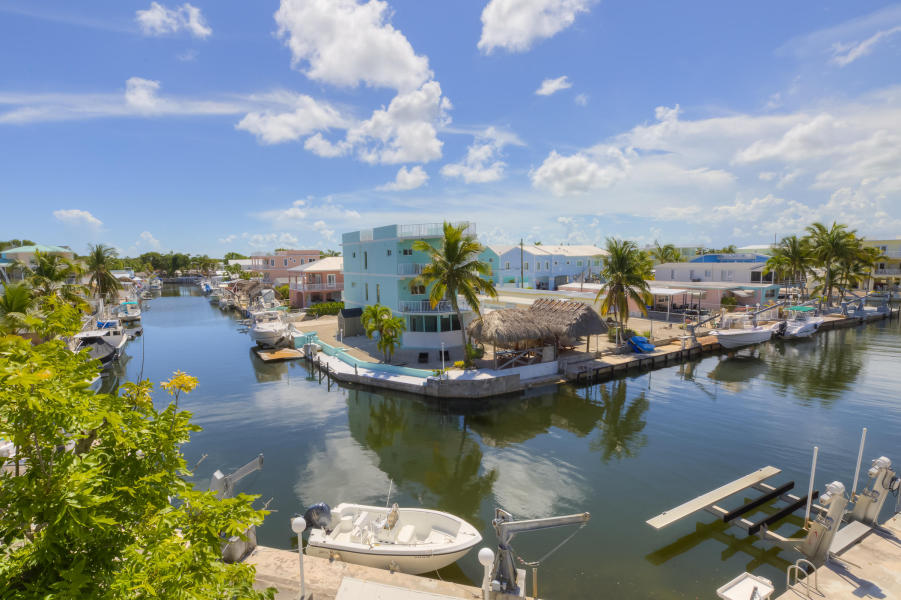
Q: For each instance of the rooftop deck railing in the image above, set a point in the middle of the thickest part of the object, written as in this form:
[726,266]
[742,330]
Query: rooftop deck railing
[425,306]
[421,230]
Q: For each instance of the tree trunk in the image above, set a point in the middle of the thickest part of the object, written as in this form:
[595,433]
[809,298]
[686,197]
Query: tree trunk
[466,360]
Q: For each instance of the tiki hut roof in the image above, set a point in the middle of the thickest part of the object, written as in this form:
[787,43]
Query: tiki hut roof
[567,319]
[545,321]
[509,327]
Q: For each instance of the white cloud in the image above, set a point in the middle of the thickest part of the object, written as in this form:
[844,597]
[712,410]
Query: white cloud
[147,238]
[309,115]
[481,163]
[228,239]
[515,24]
[550,86]
[581,99]
[159,20]
[301,211]
[270,240]
[580,173]
[77,217]
[845,54]
[407,180]
[324,230]
[345,43]
[189,55]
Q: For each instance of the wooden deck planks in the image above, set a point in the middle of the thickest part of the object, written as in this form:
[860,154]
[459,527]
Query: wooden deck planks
[712,497]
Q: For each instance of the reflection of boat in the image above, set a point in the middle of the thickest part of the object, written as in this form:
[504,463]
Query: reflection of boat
[269,327]
[739,331]
[410,540]
[802,324]
[738,369]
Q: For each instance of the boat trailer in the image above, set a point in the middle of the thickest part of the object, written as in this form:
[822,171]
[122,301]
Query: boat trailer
[826,536]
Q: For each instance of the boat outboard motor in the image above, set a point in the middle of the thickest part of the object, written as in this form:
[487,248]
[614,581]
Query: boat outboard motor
[780,331]
[318,516]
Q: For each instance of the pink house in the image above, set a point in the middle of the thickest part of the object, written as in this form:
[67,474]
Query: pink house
[320,281]
[276,268]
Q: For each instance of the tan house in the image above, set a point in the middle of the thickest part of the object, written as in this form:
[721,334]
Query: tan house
[276,268]
[320,281]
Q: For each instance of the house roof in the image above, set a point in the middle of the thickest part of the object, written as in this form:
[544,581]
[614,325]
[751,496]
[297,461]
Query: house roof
[499,248]
[551,249]
[329,263]
[731,266]
[712,285]
[37,248]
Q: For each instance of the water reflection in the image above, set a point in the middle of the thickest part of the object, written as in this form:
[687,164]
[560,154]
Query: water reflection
[823,368]
[734,371]
[621,425]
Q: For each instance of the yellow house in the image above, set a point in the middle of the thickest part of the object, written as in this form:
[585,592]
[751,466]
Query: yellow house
[887,275]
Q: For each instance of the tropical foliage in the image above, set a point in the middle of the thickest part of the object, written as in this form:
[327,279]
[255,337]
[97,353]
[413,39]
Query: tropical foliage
[377,319]
[624,270]
[325,308]
[455,269]
[99,266]
[666,254]
[95,502]
[17,308]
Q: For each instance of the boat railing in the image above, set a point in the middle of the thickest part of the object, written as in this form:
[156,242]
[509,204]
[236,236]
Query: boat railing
[798,569]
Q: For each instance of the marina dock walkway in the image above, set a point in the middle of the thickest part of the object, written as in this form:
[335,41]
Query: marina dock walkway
[336,580]
[869,569]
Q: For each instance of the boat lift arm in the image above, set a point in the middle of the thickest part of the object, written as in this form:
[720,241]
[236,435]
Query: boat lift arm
[504,571]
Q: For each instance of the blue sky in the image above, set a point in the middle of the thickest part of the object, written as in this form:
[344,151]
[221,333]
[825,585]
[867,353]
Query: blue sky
[213,126]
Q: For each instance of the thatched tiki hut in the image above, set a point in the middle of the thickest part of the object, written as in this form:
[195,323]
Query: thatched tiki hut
[546,322]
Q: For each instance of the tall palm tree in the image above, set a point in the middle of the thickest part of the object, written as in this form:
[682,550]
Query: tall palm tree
[666,254]
[99,266]
[829,246]
[50,277]
[624,271]
[455,269]
[869,257]
[792,259]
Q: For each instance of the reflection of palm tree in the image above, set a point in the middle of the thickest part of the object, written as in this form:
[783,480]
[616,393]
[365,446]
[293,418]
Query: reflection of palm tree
[825,374]
[622,424]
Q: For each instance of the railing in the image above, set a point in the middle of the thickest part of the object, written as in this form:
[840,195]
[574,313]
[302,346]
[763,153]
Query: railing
[409,268]
[887,271]
[317,287]
[421,230]
[425,306]
[365,235]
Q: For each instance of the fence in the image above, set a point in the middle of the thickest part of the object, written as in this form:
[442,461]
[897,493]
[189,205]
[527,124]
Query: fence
[342,355]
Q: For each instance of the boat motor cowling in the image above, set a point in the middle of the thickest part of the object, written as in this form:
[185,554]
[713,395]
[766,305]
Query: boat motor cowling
[318,516]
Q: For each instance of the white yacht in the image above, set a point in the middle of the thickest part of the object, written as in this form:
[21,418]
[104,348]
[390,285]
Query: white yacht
[737,331]
[409,540]
[269,327]
[803,323]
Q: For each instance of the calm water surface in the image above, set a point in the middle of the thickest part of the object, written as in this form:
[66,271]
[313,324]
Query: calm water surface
[625,450]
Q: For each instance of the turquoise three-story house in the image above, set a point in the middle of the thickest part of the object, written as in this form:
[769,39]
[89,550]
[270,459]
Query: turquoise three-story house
[379,266]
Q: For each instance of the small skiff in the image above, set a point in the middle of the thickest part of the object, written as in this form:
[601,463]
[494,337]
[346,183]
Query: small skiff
[409,540]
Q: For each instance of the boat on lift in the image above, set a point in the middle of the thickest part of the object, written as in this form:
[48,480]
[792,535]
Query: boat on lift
[156,283]
[737,331]
[129,311]
[804,323]
[269,327]
[409,540]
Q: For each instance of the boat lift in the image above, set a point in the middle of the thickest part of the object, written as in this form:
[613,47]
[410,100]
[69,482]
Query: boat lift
[826,537]
[236,547]
[692,327]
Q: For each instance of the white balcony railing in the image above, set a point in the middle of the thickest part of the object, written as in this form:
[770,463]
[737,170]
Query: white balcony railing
[425,306]
[421,230]
[888,271]
[317,287]
[409,268]
[365,235]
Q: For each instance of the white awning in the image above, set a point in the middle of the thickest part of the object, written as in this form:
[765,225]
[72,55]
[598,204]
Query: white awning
[661,291]
[744,293]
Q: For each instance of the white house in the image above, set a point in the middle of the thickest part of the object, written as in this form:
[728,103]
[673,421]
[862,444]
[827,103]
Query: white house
[547,267]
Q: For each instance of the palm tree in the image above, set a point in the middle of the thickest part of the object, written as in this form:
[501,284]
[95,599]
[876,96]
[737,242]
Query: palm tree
[829,246]
[17,303]
[791,258]
[50,276]
[869,257]
[377,318]
[103,283]
[455,269]
[666,254]
[624,271]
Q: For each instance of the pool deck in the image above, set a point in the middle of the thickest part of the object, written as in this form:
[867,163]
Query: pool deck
[329,580]
[869,569]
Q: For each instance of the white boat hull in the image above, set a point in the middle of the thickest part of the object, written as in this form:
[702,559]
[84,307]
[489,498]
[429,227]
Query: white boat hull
[738,338]
[268,337]
[420,541]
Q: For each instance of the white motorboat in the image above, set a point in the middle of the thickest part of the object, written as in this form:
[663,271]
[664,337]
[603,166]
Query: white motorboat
[803,323]
[156,284]
[738,331]
[409,540]
[269,327]
[129,312]
[110,331]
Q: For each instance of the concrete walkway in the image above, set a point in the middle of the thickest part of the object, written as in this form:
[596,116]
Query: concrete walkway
[869,569]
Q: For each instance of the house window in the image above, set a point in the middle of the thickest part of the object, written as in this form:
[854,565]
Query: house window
[389,252]
[578,263]
[755,276]
[547,266]
[525,266]
[407,252]
[366,291]
[672,274]
[726,275]
[365,260]
[507,265]
[708,274]
[353,254]
[330,278]
[353,284]
[597,262]
[418,290]
[567,262]
[378,294]
[286,262]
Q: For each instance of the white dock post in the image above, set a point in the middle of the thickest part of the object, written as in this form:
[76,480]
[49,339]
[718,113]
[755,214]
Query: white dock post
[813,468]
[299,525]
[863,438]
[486,558]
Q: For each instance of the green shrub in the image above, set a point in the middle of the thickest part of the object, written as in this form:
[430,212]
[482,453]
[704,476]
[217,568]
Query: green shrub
[283,291]
[627,333]
[475,352]
[325,308]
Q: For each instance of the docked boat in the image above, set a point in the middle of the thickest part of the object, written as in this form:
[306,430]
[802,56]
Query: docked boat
[269,327]
[409,540]
[156,284]
[804,323]
[739,331]
[129,312]
[97,346]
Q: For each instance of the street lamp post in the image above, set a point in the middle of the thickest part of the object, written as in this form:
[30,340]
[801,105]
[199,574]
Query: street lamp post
[442,361]
[299,525]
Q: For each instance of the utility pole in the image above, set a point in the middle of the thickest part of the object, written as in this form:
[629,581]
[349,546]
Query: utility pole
[521,270]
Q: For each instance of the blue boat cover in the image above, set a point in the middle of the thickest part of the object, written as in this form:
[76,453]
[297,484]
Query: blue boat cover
[640,343]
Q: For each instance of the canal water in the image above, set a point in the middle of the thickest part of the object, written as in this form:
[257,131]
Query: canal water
[624,450]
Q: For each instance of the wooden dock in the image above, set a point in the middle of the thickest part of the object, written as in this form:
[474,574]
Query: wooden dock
[871,568]
[278,354]
[335,580]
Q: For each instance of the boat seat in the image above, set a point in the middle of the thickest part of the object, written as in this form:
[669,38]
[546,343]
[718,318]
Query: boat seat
[406,534]
[362,519]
